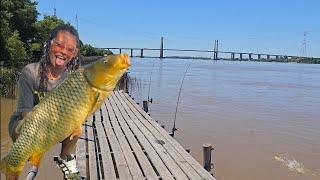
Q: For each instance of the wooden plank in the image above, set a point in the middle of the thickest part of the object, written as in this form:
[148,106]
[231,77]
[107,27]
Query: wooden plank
[108,168]
[121,164]
[134,168]
[141,158]
[187,169]
[89,120]
[151,152]
[153,140]
[81,155]
[196,166]
[93,169]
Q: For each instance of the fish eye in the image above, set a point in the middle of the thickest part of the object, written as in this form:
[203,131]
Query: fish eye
[105,62]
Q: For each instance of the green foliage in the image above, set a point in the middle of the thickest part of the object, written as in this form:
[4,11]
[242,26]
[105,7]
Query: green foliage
[4,35]
[43,29]
[21,16]
[88,50]
[36,46]
[8,80]
[16,49]
[308,60]
[4,30]
[17,25]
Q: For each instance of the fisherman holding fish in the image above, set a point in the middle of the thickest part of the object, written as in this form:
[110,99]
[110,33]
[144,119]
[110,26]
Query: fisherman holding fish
[60,57]
[72,94]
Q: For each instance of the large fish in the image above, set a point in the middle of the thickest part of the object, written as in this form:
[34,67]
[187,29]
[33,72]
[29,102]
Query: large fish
[294,165]
[62,111]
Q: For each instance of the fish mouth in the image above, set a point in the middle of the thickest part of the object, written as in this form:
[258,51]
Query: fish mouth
[125,62]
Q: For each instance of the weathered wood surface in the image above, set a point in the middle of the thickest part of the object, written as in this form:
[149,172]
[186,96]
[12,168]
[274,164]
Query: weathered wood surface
[121,141]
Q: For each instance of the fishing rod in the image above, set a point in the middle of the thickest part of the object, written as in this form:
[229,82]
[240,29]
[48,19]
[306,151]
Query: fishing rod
[150,99]
[175,114]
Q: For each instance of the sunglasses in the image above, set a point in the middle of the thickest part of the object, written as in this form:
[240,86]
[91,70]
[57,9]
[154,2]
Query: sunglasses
[60,45]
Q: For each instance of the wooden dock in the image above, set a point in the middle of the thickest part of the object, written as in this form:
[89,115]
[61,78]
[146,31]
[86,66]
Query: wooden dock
[121,141]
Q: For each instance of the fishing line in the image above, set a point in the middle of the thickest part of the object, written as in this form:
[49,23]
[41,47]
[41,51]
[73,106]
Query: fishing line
[175,114]
[150,100]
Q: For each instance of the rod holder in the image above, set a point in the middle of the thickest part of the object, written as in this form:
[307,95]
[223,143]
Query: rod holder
[207,148]
[145,106]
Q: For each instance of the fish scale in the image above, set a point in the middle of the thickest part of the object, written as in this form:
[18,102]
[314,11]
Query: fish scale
[60,128]
[62,111]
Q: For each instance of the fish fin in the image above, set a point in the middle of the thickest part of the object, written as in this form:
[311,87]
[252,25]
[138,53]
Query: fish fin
[99,100]
[19,126]
[278,158]
[10,171]
[35,158]
[76,132]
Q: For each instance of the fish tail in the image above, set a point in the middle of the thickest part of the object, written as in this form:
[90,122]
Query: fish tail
[3,165]
[9,170]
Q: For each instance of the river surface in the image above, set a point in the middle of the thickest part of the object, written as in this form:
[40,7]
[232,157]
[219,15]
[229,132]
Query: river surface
[249,111]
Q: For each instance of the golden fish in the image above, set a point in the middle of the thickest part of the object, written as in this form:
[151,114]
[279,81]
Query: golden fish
[294,165]
[62,111]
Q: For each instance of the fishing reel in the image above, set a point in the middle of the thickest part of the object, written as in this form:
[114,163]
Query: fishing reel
[173,130]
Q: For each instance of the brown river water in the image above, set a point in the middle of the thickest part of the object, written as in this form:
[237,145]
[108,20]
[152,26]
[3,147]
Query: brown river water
[249,111]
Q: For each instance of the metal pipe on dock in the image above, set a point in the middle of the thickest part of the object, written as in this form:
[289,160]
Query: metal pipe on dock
[207,148]
[145,106]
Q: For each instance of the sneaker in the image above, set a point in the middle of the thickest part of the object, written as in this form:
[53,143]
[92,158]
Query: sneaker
[68,167]
[32,173]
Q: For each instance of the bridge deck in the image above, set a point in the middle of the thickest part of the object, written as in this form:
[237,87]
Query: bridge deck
[123,142]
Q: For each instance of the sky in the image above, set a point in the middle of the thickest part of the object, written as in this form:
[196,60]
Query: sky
[265,26]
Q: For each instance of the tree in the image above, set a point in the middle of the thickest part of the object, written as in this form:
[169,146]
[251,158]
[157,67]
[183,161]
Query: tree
[20,16]
[16,49]
[4,35]
[88,50]
[43,29]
